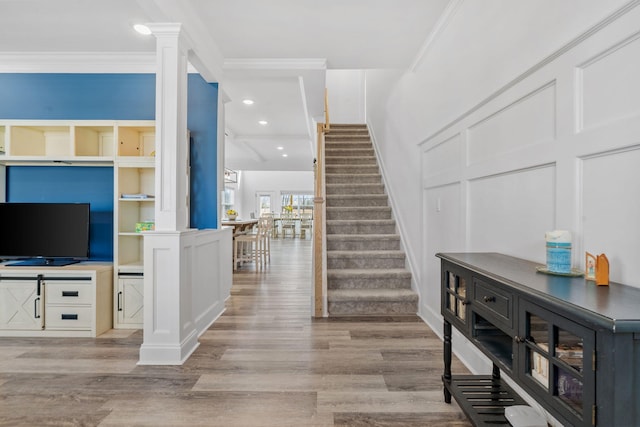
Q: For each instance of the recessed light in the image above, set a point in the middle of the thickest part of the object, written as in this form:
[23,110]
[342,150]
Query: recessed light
[280,148]
[263,122]
[247,101]
[285,155]
[142,29]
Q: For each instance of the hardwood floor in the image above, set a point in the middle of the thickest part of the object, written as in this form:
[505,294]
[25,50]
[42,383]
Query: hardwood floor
[265,362]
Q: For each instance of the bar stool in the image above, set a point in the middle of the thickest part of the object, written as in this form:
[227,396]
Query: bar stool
[252,247]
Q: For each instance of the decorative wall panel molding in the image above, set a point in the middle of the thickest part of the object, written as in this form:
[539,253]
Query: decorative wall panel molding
[527,121]
[610,208]
[609,85]
[512,210]
[443,157]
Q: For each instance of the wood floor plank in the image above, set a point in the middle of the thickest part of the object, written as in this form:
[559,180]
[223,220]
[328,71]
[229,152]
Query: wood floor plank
[264,362]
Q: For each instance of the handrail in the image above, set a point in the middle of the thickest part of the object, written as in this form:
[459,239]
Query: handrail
[327,125]
[319,253]
[319,223]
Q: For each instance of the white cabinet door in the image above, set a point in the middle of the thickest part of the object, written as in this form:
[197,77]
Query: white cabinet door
[21,307]
[130,300]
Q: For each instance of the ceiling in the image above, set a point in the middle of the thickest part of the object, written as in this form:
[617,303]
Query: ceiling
[275,52]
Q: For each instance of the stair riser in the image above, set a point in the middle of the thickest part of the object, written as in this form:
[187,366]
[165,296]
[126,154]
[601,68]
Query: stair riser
[353,179]
[356,202]
[348,136]
[354,189]
[368,283]
[360,145]
[365,263]
[375,308]
[351,170]
[363,213]
[346,152]
[363,245]
[334,161]
[360,229]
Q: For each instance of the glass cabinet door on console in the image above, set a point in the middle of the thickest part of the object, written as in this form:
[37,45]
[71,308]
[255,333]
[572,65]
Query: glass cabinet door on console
[455,297]
[558,358]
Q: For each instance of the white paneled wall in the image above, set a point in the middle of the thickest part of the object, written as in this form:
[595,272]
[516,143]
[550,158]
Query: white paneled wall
[557,148]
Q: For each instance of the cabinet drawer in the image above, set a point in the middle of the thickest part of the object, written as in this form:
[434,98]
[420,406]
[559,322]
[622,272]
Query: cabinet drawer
[497,301]
[68,317]
[68,293]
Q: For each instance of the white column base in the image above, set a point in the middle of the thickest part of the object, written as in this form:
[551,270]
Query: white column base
[170,335]
[187,278]
[168,354]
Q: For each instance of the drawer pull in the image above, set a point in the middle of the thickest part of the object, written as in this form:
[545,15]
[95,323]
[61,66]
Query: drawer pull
[70,293]
[488,299]
[69,316]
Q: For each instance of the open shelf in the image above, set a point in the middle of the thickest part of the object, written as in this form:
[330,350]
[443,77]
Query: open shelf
[40,141]
[95,141]
[136,141]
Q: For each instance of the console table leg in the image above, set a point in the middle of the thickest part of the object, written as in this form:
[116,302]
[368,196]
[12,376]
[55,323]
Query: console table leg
[446,377]
[496,372]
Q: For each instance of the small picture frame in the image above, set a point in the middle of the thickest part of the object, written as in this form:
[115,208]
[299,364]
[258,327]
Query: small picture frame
[590,266]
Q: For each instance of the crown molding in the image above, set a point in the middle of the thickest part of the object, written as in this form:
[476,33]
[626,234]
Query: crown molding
[275,64]
[77,62]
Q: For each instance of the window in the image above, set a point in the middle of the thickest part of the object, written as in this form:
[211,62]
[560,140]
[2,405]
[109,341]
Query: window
[227,200]
[300,203]
[264,204]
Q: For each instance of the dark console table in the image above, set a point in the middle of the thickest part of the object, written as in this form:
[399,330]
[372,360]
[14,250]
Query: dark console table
[572,345]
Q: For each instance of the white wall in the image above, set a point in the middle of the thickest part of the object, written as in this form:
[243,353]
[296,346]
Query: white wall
[251,182]
[512,126]
[346,92]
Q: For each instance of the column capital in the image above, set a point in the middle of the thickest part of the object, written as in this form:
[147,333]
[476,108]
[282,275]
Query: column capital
[171,30]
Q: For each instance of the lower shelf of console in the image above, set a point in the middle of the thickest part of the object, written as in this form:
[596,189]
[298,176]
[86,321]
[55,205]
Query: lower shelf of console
[483,398]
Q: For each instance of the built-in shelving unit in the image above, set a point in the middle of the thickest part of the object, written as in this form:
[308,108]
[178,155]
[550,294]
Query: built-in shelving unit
[56,141]
[128,146]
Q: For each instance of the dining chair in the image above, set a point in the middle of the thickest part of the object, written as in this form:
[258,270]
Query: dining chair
[306,223]
[288,223]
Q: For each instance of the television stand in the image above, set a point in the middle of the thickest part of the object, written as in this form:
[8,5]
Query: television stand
[44,262]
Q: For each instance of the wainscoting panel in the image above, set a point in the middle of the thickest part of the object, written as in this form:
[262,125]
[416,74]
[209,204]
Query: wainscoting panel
[443,223]
[444,157]
[610,84]
[512,210]
[611,211]
[528,121]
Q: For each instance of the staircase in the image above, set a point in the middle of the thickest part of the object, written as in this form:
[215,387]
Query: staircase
[366,274]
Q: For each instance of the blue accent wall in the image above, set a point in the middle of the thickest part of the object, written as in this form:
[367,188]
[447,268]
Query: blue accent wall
[64,184]
[36,96]
[78,96]
[202,121]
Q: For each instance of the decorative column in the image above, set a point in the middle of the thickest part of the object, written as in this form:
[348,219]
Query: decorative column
[169,331]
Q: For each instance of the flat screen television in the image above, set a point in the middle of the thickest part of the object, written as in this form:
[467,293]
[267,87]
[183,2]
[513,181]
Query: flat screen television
[44,234]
